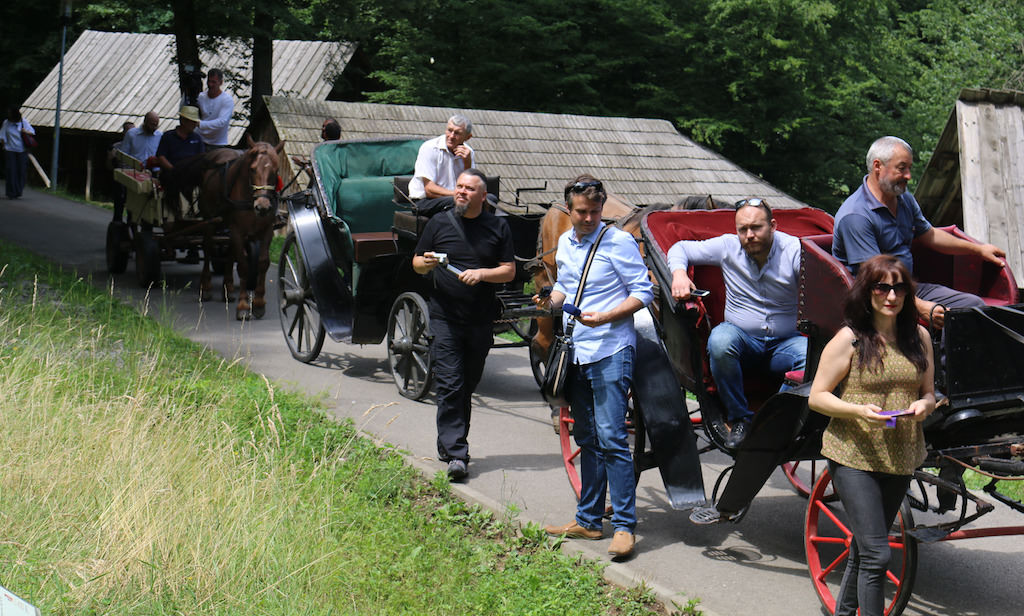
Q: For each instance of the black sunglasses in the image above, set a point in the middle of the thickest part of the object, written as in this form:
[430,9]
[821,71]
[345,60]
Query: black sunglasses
[755,202]
[581,186]
[884,288]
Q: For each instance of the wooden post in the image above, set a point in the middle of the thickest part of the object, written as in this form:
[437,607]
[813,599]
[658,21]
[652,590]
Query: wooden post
[88,168]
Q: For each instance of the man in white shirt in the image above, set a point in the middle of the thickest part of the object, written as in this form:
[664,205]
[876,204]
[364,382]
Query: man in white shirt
[439,163]
[215,109]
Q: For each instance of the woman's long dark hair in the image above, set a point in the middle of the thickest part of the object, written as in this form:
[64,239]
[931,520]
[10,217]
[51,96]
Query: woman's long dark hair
[859,315]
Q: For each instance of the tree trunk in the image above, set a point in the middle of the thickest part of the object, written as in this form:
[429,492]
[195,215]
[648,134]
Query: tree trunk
[262,57]
[190,75]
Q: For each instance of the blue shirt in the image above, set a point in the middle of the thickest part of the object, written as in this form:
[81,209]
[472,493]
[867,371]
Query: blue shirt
[618,272]
[139,145]
[865,227]
[762,301]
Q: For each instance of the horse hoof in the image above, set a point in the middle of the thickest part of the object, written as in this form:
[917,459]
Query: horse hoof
[258,312]
[243,315]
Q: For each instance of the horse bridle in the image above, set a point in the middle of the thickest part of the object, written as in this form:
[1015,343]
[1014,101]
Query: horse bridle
[270,192]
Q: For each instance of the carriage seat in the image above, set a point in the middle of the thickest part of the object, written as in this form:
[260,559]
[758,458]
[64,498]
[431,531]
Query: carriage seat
[406,221]
[366,246]
[969,273]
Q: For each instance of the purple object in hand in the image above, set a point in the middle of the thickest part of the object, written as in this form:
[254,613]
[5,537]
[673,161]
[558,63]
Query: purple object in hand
[573,310]
[892,415]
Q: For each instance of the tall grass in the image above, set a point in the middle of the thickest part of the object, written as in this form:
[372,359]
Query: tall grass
[140,474]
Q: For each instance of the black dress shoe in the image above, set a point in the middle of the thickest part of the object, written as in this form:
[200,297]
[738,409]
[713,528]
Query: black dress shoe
[739,432]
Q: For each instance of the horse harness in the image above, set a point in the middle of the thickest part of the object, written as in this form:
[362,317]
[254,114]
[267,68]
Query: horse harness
[269,191]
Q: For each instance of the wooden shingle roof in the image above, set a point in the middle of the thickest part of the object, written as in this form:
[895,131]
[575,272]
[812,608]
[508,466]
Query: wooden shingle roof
[975,177]
[643,161]
[111,77]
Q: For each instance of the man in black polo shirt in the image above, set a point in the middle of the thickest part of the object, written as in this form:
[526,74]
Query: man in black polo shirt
[175,146]
[468,252]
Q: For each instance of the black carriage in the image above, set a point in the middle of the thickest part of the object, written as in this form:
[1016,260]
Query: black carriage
[346,266]
[979,425]
[155,231]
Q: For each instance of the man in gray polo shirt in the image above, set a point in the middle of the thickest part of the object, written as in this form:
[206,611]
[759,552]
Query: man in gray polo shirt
[761,269]
[881,217]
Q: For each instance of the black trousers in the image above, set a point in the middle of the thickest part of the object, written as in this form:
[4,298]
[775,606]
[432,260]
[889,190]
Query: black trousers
[872,501]
[459,351]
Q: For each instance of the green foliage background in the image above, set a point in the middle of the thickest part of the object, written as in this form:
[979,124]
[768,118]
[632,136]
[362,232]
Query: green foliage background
[794,90]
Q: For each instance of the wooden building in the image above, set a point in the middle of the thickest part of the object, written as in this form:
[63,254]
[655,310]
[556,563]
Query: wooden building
[113,77]
[975,178]
[642,161]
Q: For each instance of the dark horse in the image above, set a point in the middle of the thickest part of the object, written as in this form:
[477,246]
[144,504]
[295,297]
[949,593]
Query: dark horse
[241,188]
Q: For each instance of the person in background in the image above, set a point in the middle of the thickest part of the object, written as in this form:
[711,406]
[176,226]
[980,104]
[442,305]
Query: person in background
[331,130]
[882,361]
[141,142]
[599,380]
[479,256]
[176,146]
[215,109]
[15,152]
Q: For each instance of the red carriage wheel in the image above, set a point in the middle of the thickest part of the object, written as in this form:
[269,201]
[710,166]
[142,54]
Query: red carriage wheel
[570,452]
[827,540]
[802,475]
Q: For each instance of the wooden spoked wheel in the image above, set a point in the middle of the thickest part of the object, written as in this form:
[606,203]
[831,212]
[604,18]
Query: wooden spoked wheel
[827,539]
[300,318]
[571,452]
[408,341]
[803,474]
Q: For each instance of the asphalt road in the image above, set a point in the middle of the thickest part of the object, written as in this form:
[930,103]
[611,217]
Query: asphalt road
[755,567]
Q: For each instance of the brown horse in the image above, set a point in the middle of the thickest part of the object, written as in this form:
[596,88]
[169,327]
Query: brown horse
[241,188]
[556,222]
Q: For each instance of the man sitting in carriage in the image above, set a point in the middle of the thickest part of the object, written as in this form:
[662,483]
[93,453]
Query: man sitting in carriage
[175,147]
[439,163]
[761,269]
[881,217]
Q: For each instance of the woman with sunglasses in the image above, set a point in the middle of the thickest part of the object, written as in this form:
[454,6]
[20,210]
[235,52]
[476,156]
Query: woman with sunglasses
[881,361]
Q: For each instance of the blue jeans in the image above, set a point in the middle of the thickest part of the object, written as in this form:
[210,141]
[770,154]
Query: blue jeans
[872,501]
[732,351]
[597,395]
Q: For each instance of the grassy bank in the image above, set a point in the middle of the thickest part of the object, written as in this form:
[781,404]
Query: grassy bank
[140,474]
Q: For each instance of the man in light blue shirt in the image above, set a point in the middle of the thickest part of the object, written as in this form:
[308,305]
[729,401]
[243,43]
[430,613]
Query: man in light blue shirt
[761,269]
[604,351]
[141,142]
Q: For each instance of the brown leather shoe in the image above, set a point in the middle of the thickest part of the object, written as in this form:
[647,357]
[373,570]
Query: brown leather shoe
[573,530]
[622,545]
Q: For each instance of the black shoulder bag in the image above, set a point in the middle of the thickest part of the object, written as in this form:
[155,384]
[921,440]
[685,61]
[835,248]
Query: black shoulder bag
[560,355]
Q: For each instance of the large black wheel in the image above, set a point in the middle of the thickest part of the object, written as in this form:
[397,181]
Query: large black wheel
[300,318]
[409,346]
[827,539]
[147,258]
[119,247]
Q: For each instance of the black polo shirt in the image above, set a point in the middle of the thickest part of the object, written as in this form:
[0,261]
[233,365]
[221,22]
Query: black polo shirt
[491,244]
[177,149]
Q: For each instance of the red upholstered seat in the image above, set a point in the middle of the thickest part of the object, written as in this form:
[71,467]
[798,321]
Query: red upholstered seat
[666,228]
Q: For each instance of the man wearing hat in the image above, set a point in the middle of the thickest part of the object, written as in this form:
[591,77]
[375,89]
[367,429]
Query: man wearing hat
[175,146]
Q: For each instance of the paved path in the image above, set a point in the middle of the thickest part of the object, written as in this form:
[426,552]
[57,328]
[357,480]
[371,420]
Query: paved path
[756,567]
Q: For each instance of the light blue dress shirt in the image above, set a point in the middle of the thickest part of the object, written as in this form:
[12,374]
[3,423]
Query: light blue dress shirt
[618,272]
[760,301]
